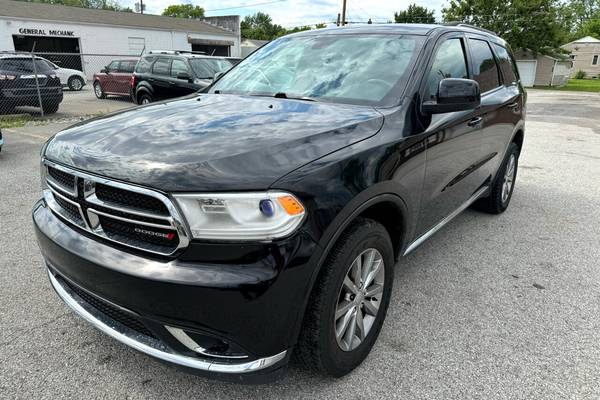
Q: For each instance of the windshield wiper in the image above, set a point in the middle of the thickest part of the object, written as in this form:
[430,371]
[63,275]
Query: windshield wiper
[282,95]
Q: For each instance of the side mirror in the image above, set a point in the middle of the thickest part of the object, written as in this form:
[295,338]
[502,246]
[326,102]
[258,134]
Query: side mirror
[454,94]
[105,70]
[184,76]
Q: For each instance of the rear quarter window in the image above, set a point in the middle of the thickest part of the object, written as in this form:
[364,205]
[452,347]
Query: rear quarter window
[507,66]
[485,70]
[143,66]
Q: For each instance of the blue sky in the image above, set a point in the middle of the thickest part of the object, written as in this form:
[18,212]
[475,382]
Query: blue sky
[298,12]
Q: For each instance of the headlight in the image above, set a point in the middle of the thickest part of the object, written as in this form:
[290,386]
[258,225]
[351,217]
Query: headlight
[241,216]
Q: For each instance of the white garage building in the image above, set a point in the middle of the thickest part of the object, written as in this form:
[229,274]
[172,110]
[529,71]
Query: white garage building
[62,29]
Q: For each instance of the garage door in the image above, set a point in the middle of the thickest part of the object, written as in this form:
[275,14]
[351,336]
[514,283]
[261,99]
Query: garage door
[527,72]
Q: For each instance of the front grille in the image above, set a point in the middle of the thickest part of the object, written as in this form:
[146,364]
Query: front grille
[72,212]
[130,199]
[62,178]
[128,215]
[109,310]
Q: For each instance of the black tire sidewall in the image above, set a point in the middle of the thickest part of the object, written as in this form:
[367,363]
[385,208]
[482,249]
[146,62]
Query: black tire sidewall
[141,98]
[336,361]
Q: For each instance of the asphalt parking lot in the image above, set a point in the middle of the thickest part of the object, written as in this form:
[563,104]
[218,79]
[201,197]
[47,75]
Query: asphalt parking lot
[503,307]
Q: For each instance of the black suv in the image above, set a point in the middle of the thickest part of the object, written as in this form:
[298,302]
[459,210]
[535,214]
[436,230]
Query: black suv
[18,86]
[167,74]
[225,231]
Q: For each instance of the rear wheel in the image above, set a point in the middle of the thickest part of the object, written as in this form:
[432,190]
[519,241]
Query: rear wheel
[98,90]
[502,189]
[75,83]
[144,98]
[349,302]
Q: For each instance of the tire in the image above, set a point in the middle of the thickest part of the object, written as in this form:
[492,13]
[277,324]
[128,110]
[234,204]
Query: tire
[51,108]
[319,348]
[75,83]
[98,91]
[502,189]
[144,98]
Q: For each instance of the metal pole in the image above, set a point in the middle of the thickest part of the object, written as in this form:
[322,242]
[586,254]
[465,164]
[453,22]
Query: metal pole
[344,13]
[37,83]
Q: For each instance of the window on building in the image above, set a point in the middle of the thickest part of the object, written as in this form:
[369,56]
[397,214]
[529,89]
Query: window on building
[595,59]
[449,62]
[161,66]
[485,70]
[507,66]
[136,45]
[177,67]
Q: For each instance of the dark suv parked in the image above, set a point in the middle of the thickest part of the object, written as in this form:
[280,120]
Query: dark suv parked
[18,86]
[226,230]
[168,74]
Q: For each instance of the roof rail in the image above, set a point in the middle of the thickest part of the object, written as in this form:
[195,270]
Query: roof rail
[175,52]
[458,23]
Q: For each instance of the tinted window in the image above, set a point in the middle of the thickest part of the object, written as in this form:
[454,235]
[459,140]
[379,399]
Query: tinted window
[23,65]
[161,66]
[449,62]
[485,70]
[506,64]
[127,66]
[345,68]
[144,64]
[595,60]
[177,67]
[113,66]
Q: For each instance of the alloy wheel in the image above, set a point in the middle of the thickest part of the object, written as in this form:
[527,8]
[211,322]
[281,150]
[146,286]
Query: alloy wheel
[98,90]
[359,299]
[509,178]
[76,84]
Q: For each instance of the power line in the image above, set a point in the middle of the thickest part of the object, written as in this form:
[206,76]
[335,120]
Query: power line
[246,5]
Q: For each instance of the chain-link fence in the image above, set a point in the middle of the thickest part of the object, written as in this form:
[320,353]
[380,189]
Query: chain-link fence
[63,84]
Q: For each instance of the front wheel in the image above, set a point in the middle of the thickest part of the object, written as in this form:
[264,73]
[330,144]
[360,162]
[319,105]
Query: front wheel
[502,189]
[98,91]
[349,302]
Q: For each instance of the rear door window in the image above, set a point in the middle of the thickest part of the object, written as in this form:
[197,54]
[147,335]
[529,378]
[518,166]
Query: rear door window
[162,66]
[485,70]
[449,62]
[507,67]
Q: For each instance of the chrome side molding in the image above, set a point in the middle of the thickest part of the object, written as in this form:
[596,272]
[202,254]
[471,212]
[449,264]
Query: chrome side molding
[421,239]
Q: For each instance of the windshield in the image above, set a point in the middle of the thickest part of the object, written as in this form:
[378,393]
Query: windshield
[207,69]
[357,69]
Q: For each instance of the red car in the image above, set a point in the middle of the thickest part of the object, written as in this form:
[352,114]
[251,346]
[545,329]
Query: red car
[114,79]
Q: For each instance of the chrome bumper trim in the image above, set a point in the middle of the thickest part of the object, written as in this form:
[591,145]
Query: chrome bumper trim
[133,340]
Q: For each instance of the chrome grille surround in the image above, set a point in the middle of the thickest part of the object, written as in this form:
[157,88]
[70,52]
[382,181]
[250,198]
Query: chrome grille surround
[84,189]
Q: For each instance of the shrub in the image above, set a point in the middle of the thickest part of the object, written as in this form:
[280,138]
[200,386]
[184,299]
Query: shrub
[580,74]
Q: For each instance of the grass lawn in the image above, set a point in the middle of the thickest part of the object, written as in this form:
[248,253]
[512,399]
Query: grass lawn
[577,85]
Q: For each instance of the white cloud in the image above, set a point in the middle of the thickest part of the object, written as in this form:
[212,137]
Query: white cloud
[300,12]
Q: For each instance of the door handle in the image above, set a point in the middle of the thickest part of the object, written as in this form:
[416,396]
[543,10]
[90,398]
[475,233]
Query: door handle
[475,121]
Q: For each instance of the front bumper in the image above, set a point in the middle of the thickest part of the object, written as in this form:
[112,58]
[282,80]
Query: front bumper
[255,304]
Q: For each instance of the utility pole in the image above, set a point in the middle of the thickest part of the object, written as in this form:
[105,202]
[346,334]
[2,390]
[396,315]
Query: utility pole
[141,6]
[338,20]
[344,12]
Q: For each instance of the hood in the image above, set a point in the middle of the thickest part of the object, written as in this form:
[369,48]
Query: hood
[212,142]
[71,71]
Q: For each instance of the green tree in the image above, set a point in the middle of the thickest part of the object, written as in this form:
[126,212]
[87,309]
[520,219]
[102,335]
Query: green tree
[415,14]
[184,11]
[525,24]
[260,26]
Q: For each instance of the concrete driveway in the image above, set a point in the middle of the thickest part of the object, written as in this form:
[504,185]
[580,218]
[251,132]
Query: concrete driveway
[502,307]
